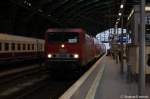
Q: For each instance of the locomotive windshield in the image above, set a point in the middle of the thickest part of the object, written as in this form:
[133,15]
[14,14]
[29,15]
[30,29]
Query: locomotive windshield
[63,37]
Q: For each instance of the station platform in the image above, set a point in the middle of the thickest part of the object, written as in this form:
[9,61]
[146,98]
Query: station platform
[104,81]
[115,85]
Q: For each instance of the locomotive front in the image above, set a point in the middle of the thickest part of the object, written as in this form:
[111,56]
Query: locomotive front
[62,47]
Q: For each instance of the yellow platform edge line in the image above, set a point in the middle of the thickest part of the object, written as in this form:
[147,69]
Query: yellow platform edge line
[91,93]
[69,93]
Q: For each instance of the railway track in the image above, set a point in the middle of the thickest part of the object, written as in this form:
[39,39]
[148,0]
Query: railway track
[33,82]
[15,80]
[12,74]
[22,83]
[53,89]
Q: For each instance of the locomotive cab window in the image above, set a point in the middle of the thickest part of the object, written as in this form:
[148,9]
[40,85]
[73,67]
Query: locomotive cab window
[68,37]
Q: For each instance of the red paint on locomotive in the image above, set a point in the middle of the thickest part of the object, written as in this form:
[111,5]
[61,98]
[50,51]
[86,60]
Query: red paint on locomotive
[73,42]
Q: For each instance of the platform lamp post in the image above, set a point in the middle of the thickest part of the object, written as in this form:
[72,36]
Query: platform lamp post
[141,85]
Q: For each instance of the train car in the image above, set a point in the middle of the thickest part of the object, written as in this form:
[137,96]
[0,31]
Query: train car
[18,48]
[70,46]
[102,48]
[99,48]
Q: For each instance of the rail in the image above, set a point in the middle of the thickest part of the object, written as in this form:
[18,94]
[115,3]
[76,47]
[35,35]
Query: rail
[18,70]
[86,86]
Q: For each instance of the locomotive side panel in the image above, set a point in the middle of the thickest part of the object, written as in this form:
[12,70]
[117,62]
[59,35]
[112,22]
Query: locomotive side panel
[88,49]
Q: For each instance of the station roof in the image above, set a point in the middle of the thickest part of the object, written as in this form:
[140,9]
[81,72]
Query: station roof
[33,17]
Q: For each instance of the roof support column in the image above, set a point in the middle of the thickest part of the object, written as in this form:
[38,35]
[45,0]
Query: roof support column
[141,87]
[121,45]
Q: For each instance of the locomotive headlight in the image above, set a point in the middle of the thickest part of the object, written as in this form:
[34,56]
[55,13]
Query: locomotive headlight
[62,45]
[76,55]
[49,55]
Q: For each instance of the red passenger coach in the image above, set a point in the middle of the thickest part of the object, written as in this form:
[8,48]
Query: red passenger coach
[69,46]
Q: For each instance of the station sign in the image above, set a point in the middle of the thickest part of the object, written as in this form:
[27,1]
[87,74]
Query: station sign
[123,38]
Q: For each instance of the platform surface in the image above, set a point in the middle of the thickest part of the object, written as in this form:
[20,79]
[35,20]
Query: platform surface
[113,85]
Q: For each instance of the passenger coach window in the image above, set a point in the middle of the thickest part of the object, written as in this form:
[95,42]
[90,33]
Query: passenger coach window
[28,46]
[41,46]
[32,46]
[19,46]
[13,46]
[24,46]
[0,46]
[70,37]
[6,46]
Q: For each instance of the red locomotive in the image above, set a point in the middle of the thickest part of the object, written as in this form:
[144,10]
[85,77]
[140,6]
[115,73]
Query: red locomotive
[71,46]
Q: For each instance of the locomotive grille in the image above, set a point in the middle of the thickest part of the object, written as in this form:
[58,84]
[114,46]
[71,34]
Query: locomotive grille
[62,51]
[62,54]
